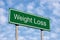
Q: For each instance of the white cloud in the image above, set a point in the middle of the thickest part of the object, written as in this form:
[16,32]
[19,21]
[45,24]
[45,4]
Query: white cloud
[2,3]
[30,11]
[21,38]
[56,4]
[54,20]
[2,36]
[53,35]
[46,1]
[49,1]
[54,23]
[29,31]
[33,38]
[7,33]
[23,27]
[43,1]
[50,4]
[36,33]
[30,6]
[10,30]
[56,10]
[39,11]
[46,37]
[3,19]
[26,29]
[2,11]
[57,30]
[10,2]
[20,6]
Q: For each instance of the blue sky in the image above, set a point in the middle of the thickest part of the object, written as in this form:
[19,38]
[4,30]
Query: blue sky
[46,8]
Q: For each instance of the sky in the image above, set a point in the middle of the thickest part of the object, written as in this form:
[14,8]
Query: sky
[45,8]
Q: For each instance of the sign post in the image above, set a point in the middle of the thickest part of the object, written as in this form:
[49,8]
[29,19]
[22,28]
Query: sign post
[25,19]
[42,34]
[16,33]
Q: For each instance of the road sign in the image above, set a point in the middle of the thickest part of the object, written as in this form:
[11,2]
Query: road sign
[22,18]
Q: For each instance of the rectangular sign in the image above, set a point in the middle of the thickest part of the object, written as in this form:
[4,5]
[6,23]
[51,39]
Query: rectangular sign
[22,18]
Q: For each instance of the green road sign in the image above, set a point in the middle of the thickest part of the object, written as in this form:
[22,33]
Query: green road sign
[22,18]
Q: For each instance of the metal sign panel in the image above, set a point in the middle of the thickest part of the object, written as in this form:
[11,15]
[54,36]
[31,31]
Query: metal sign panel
[22,18]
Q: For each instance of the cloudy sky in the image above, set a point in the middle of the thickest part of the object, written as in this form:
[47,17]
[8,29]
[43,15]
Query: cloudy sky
[46,8]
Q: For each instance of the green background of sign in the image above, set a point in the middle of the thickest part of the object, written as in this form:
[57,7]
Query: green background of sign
[14,21]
